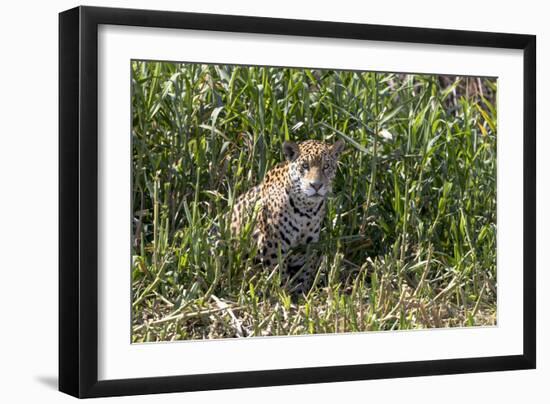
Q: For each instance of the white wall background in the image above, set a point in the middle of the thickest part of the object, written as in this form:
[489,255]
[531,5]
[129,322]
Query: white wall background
[28,200]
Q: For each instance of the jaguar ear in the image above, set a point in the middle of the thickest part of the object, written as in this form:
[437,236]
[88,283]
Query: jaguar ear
[337,148]
[291,150]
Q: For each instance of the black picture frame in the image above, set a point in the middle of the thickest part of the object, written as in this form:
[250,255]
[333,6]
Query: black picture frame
[78,201]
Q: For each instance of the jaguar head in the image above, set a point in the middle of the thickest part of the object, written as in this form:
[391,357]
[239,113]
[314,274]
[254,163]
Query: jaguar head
[312,166]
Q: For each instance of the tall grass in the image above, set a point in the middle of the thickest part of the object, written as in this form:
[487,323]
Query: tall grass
[409,240]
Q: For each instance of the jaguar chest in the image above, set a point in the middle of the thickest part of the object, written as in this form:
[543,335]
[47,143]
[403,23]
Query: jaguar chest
[299,221]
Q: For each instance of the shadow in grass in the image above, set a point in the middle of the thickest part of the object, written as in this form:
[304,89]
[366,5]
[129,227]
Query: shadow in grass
[48,381]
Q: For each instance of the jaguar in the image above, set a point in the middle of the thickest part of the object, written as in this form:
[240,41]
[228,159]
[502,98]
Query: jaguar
[288,207]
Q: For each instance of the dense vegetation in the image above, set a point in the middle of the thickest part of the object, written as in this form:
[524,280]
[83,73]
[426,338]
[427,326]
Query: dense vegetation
[410,236]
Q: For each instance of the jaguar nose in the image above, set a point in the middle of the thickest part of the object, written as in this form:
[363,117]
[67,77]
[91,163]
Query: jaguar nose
[316,185]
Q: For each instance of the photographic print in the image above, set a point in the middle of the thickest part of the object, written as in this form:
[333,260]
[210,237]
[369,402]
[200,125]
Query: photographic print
[277,201]
[260,190]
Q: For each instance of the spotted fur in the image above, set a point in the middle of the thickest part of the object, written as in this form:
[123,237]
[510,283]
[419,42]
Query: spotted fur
[288,207]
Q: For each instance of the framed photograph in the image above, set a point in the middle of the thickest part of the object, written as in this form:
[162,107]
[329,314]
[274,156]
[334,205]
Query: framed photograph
[251,201]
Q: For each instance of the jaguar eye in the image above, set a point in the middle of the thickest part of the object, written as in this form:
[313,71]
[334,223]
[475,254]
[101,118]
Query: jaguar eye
[305,166]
